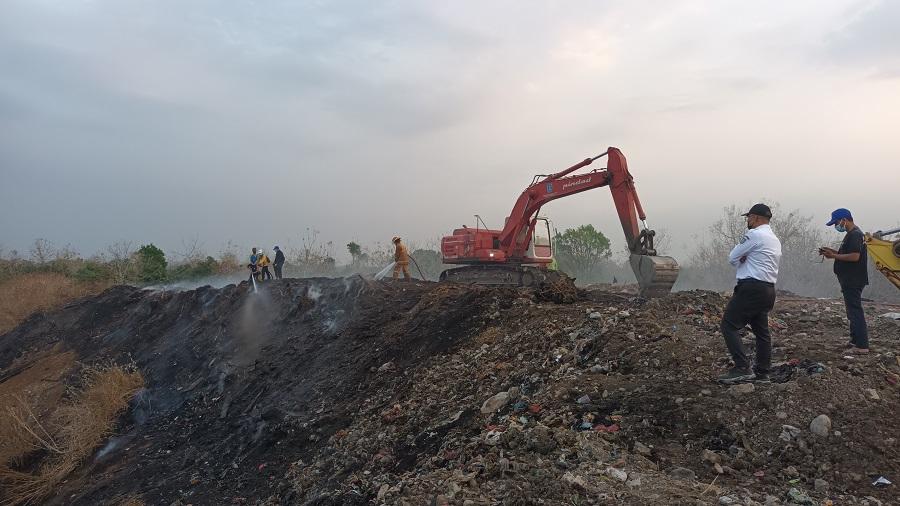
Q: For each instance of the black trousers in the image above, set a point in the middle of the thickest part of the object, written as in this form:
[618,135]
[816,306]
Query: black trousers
[277,271]
[751,303]
[859,331]
[265,273]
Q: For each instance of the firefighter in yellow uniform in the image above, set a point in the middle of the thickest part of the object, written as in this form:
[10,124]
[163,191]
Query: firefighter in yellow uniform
[401,259]
[263,262]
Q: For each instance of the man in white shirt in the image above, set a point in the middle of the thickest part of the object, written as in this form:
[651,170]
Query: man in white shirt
[756,258]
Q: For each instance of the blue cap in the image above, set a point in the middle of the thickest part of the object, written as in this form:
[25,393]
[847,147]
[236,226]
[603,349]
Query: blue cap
[838,215]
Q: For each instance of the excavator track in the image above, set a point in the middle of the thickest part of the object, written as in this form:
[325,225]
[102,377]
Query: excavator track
[502,275]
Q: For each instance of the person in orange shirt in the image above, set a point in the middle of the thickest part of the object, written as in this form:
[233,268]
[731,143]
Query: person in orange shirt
[401,259]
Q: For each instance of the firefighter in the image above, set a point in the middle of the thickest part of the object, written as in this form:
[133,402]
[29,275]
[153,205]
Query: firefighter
[401,259]
[263,262]
[253,266]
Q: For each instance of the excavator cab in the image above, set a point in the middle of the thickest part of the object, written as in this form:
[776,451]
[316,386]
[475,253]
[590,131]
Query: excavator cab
[541,244]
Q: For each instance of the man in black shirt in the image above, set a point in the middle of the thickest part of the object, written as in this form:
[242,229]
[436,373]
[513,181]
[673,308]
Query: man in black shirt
[279,262]
[851,267]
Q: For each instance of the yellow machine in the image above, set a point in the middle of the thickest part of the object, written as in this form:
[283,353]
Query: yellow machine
[886,254]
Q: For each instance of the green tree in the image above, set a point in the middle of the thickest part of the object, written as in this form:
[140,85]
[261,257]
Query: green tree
[356,252]
[581,251]
[152,263]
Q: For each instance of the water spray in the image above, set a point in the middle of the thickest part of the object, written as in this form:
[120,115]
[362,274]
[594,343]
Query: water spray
[383,272]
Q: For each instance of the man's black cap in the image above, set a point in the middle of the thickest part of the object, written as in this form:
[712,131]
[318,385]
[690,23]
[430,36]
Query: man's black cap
[759,210]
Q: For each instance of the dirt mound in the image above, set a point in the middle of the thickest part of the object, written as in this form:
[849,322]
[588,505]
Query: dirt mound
[344,391]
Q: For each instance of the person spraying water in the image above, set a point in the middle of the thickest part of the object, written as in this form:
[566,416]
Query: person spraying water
[400,263]
[254,269]
[401,259]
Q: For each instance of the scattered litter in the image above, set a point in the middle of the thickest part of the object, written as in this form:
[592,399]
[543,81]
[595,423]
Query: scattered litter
[797,497]
[881,482]
[414,432]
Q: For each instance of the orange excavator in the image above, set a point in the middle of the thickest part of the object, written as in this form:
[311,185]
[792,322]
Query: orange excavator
[522,251]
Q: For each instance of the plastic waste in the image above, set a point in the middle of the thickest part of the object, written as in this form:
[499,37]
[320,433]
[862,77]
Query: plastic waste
[881,482]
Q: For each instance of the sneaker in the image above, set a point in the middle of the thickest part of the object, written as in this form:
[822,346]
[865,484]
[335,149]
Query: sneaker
[736,375]
[761,377]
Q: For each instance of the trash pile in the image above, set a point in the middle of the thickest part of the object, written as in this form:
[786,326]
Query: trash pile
[348,391]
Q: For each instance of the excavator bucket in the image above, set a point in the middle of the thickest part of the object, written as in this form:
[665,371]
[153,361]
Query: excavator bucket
[656,275]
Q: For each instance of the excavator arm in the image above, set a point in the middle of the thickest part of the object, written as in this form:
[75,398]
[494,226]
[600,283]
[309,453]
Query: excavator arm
[656,275]
[514,237]
[502,256]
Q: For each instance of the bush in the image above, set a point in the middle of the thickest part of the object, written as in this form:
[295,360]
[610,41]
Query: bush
[91,272]
[152,264]
[196,270]
[429,261]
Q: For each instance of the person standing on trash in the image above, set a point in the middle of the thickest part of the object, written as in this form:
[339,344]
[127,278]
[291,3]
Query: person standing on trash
[279,262]
[254,268]
[756,259]
[401,259]
[263,262]
[851,266]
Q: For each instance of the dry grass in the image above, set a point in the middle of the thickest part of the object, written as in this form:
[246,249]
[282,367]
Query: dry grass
[40,451]
[37,383]
[26,293]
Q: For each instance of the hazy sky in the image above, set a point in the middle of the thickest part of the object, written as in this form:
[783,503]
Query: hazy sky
[158,121]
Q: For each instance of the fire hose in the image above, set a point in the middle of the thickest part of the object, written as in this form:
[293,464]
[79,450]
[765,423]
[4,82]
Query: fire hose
[417,268]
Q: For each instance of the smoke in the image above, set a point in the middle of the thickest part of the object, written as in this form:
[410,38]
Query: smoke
[219,281]
[252,329]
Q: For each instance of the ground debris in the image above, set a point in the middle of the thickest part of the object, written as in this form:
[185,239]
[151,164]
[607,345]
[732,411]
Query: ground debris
[345,391]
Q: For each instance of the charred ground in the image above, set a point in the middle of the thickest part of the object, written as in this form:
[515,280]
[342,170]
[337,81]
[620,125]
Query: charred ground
[345,391]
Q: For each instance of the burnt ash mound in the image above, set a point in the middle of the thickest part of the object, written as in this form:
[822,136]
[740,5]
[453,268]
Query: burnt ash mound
[235,377]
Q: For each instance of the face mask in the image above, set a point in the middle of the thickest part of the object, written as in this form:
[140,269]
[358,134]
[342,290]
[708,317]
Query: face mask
[840,228]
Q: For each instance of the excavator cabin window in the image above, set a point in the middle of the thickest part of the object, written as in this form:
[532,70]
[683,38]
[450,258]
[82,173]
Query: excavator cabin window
[541,244]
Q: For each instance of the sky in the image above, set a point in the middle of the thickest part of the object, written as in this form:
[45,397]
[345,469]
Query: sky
[171,121]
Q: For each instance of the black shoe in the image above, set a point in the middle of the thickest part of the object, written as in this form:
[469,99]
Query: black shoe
[736,375]
[761,377]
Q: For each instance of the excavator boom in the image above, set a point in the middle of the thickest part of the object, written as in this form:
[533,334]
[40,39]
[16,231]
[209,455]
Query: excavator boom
[511,246]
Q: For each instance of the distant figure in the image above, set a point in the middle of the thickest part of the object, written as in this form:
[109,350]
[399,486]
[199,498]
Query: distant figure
[756,258]
[254,268]
[263,262]
[851,267]
[279,262]
[401,259]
